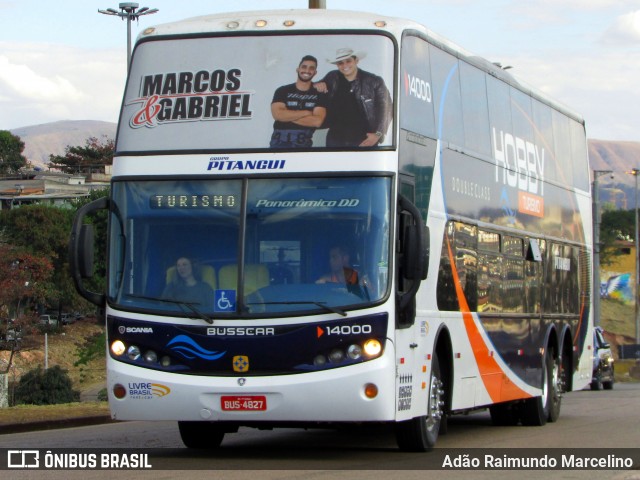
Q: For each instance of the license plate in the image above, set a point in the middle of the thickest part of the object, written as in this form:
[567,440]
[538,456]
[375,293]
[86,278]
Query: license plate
[237,403]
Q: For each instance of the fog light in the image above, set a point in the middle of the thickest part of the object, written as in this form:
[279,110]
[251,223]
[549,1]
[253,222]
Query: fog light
[165,361]
[118,348]
[372,347]
[119,391]
[320,360]
[133,352]
[354,352]
[336,356]
[370,390]
[151,357]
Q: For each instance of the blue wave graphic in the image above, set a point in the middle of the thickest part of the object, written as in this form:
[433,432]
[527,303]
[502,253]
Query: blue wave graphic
[188,348]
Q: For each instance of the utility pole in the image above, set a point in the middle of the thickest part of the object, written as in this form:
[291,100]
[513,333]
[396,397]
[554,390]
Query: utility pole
[318,4]
[635,172]
[129,10]
[596,245]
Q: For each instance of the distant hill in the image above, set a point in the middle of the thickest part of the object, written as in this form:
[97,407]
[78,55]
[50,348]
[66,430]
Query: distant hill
[52,138]
[616,156]
[619,157]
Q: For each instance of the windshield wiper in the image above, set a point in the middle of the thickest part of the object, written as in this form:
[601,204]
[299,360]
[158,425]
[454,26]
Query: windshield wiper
[322,305]
[189,305]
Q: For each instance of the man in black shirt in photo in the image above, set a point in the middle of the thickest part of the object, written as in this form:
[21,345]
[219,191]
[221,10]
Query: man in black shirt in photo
[298,109]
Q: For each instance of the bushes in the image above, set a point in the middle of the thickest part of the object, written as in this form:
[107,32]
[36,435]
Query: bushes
[45,387]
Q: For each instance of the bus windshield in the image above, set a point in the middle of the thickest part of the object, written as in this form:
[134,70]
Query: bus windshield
[202,94]
[254,247]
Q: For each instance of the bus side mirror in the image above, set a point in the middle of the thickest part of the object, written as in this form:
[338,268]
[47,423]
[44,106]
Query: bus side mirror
[415,241]
[86,251]
[82,251]
[416,254]
[413,258]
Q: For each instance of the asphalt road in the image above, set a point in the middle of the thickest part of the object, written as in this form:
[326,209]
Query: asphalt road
[589,420]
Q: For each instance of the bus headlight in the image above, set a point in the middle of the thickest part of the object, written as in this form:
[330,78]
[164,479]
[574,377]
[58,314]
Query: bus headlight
[372,347]
[354,352]
[133,352]
[151,357]
[320,360]
[336,356]
[117,348]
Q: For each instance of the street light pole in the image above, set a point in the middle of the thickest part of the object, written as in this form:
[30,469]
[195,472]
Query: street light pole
[596,245]
[635,172]
[129,10]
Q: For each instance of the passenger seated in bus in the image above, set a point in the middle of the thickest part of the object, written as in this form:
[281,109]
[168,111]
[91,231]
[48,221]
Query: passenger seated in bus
[280,272]
[340,272]
[187,286]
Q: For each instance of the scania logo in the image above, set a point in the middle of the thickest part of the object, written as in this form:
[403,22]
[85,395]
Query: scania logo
[122,329]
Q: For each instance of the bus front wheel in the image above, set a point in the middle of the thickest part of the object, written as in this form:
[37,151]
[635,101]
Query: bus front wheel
[420,433]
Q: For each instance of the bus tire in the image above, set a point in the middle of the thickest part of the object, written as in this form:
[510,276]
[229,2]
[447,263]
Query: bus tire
[421,433]
[201,435]
[536,410]
[556,387]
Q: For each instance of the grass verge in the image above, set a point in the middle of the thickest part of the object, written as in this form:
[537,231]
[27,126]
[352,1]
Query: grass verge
[41,413]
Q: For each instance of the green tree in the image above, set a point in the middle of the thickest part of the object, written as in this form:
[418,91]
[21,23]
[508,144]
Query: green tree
[92,348]
[43,230]
[87,159]
[23,277]
[11,158]
[615,225]
[46,387]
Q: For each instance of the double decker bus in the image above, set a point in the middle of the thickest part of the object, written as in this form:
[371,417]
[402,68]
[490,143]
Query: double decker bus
[435,262]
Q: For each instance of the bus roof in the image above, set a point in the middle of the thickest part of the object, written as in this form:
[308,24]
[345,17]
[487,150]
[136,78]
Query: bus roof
[298,20]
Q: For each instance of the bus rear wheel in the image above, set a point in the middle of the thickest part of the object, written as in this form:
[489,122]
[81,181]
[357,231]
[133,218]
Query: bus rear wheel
[420,433]
[201,435]
[537,410]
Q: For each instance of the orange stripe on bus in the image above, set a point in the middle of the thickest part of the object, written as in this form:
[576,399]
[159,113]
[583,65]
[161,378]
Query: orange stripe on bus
[497,383]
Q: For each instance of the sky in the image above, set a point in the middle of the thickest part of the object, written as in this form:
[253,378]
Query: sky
[62,60]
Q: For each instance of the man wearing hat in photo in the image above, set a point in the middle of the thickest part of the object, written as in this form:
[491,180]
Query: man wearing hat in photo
[360,107]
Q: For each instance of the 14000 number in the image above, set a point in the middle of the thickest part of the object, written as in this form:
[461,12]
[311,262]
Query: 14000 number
[348,329]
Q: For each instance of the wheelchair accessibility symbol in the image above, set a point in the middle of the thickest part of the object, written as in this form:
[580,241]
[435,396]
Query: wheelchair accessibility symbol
[225,301]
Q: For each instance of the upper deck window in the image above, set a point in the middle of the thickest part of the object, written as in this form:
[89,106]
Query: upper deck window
[259,92]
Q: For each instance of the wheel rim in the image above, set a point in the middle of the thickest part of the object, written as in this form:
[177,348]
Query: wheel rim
[556,380]
[545,385]
[435,404]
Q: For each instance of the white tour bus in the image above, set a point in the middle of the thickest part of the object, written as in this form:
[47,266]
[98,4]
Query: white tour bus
[320,217]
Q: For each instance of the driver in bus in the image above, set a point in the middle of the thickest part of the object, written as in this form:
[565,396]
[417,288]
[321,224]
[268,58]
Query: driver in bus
[340,272]
[298,109]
